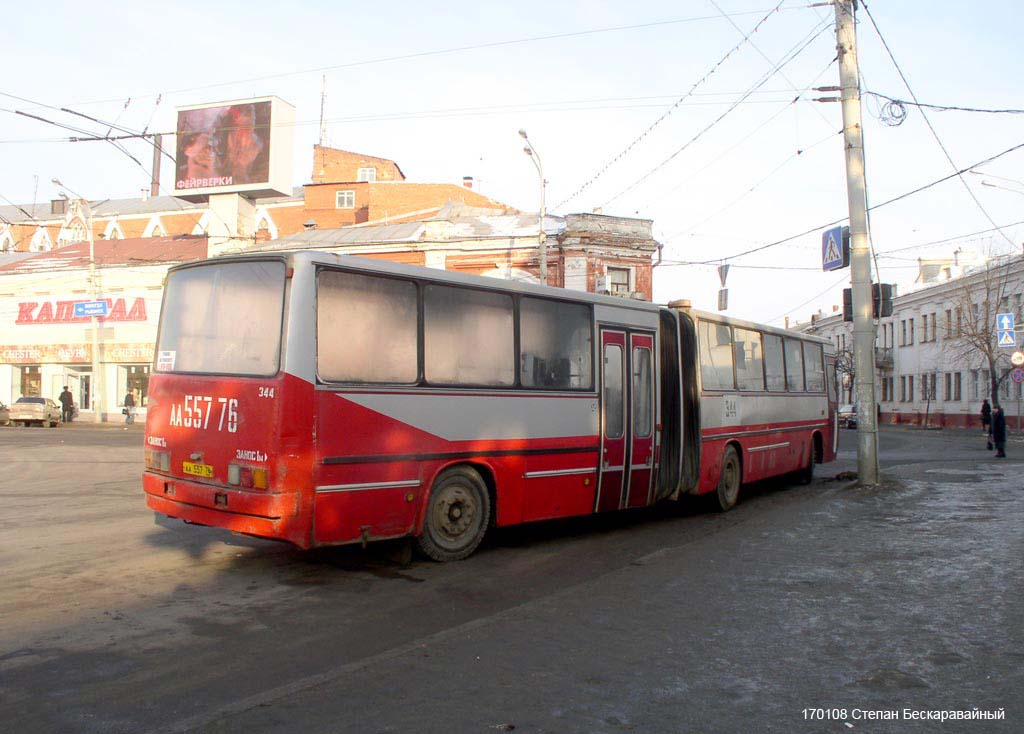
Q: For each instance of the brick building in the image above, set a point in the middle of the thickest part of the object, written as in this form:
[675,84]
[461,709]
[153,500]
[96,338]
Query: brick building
[346,188]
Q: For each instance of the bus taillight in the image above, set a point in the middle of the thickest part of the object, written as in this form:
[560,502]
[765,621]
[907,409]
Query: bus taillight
[245,476]
[158,460]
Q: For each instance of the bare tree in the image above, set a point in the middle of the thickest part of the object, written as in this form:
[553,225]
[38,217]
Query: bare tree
[845,368]
[976,300]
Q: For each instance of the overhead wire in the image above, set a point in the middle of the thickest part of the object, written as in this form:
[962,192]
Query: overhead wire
[739,142]
[940,108]
[873,207]
[813,298]
[650,128]
[790,57]
[928,122]
[435,52]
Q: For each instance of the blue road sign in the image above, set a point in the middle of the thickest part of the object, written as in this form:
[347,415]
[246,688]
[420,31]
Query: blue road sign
[1007,337]
[1004,321]
[833,256]
[91,308]
[1017,375]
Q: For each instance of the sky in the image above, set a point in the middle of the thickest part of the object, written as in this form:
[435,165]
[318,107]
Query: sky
[679,112]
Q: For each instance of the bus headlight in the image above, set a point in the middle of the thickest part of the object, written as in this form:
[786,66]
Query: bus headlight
[158,460]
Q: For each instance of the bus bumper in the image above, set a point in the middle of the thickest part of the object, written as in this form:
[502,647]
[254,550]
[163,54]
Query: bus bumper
[263,514]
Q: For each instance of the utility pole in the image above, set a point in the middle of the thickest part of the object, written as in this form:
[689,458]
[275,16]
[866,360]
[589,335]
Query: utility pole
[860,258]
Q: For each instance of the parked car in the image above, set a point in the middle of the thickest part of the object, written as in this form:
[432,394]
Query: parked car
[847,416]
[43,411]
[5,415]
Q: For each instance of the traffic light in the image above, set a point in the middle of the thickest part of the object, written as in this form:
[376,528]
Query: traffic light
[881,301]
[881,298]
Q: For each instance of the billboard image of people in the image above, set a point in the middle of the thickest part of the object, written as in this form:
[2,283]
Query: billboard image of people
[224,146]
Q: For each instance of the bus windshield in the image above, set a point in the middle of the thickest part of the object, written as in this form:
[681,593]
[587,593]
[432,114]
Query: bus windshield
[223,319]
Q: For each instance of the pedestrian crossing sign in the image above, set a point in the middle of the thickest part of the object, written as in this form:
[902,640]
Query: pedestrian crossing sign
[1007,337]
[835,248]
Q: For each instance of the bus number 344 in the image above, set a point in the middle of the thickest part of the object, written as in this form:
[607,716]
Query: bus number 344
[196,410]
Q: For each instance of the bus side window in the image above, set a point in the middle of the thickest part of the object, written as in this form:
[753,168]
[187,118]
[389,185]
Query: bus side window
[467,337]
[749,360]
[365,328]
[794,365]
[815,367]
[555,345]
[715,356]
[775,368]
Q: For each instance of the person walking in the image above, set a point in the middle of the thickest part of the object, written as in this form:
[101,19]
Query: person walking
[986,416]
[999,431]
[129,407]
[67,405]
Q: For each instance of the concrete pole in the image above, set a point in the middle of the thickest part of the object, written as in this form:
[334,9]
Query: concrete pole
[94,390]
[860,257]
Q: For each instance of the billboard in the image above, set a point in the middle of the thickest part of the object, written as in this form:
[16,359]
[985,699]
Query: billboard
[242,147]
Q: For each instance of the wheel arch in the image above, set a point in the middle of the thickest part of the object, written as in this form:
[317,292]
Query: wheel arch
[739,455]
[818,447]
[482,468]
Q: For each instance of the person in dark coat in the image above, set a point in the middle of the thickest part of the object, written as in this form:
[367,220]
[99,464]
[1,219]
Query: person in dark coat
[67,405]
[999,431]
[986,416]
[129,407]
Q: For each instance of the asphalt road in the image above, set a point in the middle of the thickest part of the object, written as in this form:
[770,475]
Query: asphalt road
[671,619]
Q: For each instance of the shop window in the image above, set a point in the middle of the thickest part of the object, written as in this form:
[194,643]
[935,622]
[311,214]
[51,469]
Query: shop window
[31,382]
[138,384]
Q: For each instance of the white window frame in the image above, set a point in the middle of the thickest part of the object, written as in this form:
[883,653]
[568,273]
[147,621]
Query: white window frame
[366,174]
[619,269]
[345,199]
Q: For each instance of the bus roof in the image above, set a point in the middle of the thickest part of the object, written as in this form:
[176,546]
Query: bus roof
[744,324]
[388,267]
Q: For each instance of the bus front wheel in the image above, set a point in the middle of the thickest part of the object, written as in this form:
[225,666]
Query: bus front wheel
[729,480]
[458,513]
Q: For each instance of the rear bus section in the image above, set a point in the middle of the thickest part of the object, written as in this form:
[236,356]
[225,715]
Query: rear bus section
[228,431]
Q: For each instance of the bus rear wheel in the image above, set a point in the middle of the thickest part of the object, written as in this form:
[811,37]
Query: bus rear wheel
[458,513]
[728,491]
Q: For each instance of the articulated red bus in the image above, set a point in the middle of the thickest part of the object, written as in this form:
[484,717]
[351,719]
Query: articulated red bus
[323,399]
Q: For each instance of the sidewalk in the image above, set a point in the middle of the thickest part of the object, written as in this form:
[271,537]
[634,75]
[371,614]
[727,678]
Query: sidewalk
[87,422]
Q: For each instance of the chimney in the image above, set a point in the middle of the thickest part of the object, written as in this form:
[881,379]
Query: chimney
[835,308]
[145,194]
[467,181]
[787,322]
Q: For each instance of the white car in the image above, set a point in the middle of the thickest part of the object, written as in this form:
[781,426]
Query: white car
[43,411]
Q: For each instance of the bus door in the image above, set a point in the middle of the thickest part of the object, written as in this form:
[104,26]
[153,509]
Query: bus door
[614,458]
[627,420]
[641,424]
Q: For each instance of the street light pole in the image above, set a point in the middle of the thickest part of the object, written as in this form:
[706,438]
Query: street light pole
[94,393]
[541,234]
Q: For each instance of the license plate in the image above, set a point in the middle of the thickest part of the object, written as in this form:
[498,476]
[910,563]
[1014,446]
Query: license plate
[197,470]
